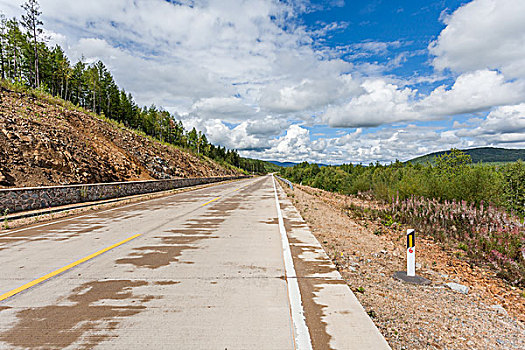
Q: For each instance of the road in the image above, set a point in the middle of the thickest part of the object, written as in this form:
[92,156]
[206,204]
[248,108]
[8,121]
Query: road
[232,266]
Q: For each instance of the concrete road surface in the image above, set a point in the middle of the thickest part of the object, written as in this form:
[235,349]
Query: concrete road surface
[232,266]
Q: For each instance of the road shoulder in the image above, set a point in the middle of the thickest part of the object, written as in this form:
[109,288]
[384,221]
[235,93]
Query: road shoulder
[334,316]
[367,253]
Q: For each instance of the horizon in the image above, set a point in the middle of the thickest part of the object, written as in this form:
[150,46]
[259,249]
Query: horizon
[320,81]
[402,161]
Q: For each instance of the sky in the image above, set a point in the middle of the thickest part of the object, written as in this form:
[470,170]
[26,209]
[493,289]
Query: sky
[335,81]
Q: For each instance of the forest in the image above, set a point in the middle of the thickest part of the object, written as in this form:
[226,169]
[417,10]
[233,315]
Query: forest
[27,62]
[479,208]
[450,176]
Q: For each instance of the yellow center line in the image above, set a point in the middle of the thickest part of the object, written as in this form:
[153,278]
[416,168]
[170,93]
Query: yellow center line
[213,200]
[63,269]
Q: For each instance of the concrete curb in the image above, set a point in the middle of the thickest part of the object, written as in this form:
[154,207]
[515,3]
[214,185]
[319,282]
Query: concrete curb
[345,321]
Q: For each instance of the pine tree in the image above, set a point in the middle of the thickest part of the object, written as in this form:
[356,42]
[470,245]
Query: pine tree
[192,138]
[32,23]
[25,59]
[3,43]
[13,50]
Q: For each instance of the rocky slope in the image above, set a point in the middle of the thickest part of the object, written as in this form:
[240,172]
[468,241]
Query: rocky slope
[44,143]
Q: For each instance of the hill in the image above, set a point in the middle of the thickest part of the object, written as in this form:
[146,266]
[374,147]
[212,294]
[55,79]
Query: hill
[482,154]
[282,164]
[289,164]
[48,141]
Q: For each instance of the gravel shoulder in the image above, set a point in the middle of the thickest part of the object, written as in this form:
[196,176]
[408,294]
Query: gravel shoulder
[366,253]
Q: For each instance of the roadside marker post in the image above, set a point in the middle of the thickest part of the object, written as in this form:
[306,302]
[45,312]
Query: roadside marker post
[409,276]
[411,253]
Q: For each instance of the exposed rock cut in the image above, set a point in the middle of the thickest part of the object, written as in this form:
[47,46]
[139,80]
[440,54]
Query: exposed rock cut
[42,143]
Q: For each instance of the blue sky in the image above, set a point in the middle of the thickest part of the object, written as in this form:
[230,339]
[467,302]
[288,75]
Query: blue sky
[325,81]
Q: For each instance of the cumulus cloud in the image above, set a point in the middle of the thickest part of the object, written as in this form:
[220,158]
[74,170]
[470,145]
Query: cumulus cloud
[309,94]
[251,76]
[483,34]
[384,103]
[238,137]
[504,126]
[296,141]
[380,103]
[383,145]
[506,120]
[267,127]
[483,43]
[192,56]
[229,109]
[295,145]
[472,92]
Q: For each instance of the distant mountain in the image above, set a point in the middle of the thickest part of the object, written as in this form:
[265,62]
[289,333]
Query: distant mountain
[282,164]
[482,154]
[289,164]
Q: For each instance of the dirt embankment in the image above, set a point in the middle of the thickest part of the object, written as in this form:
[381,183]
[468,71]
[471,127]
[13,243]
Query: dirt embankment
[367,253]
[42,143]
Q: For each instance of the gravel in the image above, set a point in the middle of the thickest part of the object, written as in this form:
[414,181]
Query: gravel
[458,287]
[410,316]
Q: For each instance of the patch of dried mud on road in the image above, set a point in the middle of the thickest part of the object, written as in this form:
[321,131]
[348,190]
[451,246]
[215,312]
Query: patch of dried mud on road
[166,283]
[57,326]
[410,317]
[172,247]
[153,257]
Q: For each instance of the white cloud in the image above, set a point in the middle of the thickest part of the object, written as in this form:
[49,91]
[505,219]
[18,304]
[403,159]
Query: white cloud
[369,48]
[506,120]
[268,126]
[308,94]
[219,133]
[504,126]
[472,92]
[385,103]
[295,145]
[190,58]
[483,34]
[381,103]
[229,109]
[229,68]
[249,135]
[296,141]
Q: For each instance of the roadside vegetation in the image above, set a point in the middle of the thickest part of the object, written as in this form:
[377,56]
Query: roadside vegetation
[29,65]
[476,207]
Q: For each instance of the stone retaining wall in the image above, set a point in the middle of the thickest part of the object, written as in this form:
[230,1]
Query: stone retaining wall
[34,198]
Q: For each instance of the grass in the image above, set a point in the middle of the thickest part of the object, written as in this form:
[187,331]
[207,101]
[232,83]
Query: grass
[6,222]
[484,235]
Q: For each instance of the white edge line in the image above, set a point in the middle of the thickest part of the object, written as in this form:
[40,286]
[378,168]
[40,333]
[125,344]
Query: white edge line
[302,335]
[6,233]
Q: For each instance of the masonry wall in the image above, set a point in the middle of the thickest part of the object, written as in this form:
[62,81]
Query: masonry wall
[34,198]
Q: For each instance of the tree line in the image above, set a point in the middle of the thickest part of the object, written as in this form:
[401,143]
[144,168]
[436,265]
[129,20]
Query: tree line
[451,176]
[26,60]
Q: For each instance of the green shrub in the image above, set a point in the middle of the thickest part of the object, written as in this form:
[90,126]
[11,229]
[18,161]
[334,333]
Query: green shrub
[514,187]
